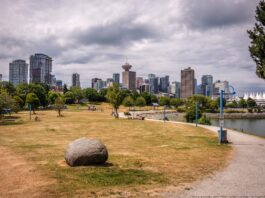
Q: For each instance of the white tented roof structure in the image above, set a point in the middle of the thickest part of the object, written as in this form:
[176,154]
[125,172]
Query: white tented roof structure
[259,97]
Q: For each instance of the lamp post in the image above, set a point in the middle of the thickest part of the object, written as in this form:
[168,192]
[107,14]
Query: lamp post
[221,118]
[196,104]
[165,112]
[30,111]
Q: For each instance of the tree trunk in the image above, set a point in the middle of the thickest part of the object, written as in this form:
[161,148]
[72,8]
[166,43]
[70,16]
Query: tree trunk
[59,112]
[116,115]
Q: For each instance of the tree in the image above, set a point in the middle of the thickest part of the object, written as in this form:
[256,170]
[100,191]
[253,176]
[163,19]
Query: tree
[140,102]
[251,103]
[59,105]
[69,97]
[147,97]
[20,103]
[164,101]
[242,103]
[52,96]
[128,102]
[78,93]
[176,102]
[257,37]
[8,86]
[232,104]
[65,89]
[154,99]
[191,112]
[114,96]
[33,100]
[41,92]
[218,102]
[91,94]
[6,102]
[102,95]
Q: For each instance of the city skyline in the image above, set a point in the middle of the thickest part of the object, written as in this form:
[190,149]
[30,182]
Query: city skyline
[162,40]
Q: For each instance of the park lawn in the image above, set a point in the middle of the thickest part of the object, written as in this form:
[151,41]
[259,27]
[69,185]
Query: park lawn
[143,156]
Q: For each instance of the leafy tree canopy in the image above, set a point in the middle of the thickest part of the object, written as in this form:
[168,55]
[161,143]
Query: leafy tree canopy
[257,37]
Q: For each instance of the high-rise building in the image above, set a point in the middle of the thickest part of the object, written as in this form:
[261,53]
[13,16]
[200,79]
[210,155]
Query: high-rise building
[128,77]
[40,69]
[139,82]
[207,85]
[59,85]
[187,83]
[18,72]
[175,89]
[154,86]
[94,81]
[1,77]
[164,84]
[116,78]
[221,85]
[151,76]
[145,88]
[76,80]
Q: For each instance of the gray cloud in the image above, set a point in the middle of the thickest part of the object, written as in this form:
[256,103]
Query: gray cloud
[205,14]
[118,33]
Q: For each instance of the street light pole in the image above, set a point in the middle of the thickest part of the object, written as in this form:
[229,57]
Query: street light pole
[30,111]
[196,113]
[221,120]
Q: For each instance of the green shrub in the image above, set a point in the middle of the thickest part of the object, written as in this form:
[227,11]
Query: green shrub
[204,120]
[127,113]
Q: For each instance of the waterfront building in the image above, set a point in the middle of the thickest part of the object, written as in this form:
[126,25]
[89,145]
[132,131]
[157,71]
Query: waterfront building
[94,81]
[139,82]
[109,82]
[207,85]
[18,72]
[145,88]
[164,84]
[154,83]
[40,69]
[116,78]
[128,77]
[187,83]
[259,97]
[151,76]
[221,85]
[59,85]
[174,89]
[53,80]
[75,80]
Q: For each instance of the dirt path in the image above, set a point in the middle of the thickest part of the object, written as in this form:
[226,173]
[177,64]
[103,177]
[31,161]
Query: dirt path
[244,177]
[19,178]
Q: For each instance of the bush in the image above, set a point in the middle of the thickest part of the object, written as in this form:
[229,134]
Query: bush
[234,111]
[181,109]
[127,113]
[204,120]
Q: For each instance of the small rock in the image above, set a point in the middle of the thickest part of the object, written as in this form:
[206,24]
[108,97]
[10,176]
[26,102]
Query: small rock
[86,151]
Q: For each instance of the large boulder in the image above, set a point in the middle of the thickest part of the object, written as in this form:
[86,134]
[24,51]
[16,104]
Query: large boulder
[85,151]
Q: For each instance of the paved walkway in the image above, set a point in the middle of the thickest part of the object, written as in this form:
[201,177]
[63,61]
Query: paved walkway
[244,176]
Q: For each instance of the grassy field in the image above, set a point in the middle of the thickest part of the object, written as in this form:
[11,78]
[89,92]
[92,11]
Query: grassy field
[144,157]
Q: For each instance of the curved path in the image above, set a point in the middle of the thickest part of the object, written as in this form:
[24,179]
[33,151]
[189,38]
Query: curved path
[243,177]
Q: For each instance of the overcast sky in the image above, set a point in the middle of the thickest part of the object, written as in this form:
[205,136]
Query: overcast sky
[162,37]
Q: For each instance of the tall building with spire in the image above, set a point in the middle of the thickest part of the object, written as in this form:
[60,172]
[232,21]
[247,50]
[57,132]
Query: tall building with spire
[128,77]
[18,72]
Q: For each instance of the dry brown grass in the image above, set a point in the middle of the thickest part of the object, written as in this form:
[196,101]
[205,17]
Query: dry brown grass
[143,155]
